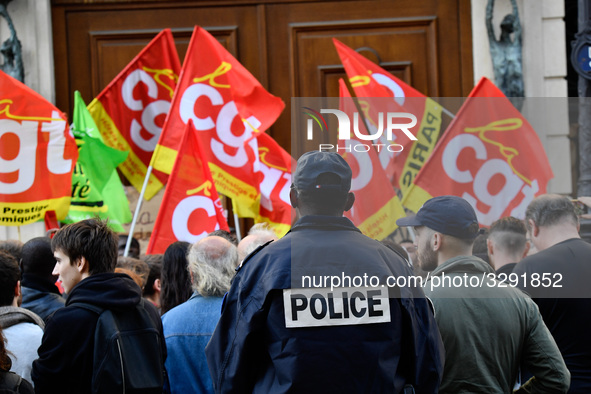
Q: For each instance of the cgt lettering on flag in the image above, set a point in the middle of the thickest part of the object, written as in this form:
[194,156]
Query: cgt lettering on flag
[131,111]
[481,179]
[224,119]
[37,156]
[489,155]
[228,108]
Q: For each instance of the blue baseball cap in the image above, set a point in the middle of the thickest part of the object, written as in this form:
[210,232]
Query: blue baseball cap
[311,165]
[450,215]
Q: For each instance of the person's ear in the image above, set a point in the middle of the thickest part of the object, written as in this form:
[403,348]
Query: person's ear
[436,241]
[17,289]
[535,230]
[293,197]
[82,265]
[157,285]
[350,201]
[527,246]
[489,247]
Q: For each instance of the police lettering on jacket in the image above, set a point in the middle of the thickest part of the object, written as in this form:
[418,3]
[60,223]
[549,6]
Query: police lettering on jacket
[339,307]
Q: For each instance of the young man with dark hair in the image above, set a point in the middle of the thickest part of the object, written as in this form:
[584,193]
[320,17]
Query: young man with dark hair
[558,278]
[278,333]
[22,328]
[86,254]
[489,329]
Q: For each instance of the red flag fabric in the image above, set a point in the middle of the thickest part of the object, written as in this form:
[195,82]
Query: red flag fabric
[369,82]
[489,155]
[37,156]
[376,206]
[228,107]
[131,110]
[274,169]
[190,207]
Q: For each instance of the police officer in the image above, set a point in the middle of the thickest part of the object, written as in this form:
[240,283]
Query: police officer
[317,311]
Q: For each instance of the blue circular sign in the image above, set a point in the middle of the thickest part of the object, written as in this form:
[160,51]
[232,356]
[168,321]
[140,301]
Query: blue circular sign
[583,58]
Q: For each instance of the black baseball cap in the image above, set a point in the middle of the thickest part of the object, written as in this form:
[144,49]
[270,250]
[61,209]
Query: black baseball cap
[449,215]
[312,165]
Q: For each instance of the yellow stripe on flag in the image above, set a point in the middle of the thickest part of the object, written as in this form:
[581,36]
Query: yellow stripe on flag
[421,149]
[132,168]
[415,198]
[246,196]
[21,213]
[164,158]
[383,222]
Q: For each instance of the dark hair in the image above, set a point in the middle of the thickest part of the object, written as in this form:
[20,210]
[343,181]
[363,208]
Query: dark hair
[154,261]
[509,234]
[5,361]
[395,247]
[10,274]
[91,239]
[37,257]
[225,235]
[13,247]
[324,201]
[550,209]
[137,266]
[479,243]
[176,282]
[134,246]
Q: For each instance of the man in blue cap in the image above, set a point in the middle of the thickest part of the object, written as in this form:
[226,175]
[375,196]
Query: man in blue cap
[286,328]
[489,329]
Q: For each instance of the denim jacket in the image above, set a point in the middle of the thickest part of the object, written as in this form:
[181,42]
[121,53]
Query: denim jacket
[187,329]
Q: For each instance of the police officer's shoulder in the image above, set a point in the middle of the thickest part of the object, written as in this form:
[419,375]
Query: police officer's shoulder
[252,254]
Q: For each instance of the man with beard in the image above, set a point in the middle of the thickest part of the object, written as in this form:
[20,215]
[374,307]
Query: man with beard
[488,328]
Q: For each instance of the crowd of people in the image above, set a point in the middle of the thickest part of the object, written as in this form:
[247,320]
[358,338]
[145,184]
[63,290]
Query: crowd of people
[509,313]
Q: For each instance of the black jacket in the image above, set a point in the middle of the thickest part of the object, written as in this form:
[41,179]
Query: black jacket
[254,349]
[66,353]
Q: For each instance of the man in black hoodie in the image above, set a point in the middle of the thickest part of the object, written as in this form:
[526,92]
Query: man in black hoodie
[86,255]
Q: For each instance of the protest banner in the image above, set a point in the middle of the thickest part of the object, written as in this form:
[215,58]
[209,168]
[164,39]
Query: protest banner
[37,156]
[131,110]
[190,207]
[489,155]
[376,206]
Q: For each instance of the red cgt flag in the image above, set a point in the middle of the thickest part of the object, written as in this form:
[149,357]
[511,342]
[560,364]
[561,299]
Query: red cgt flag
[369,82]
[376,206]
[131,110]
[228,107]
[190,207]
[489,155]
[274,167]
[37,156]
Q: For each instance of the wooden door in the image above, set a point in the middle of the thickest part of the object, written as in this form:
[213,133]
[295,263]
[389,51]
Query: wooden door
[287,45]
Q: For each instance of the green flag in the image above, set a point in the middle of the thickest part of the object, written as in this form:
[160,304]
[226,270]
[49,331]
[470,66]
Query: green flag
[96,187]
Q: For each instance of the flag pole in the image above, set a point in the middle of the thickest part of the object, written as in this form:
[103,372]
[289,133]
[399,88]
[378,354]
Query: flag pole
[138,206]
[236,222]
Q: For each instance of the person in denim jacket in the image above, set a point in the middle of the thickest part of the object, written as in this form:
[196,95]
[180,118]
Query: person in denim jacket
[188,326]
